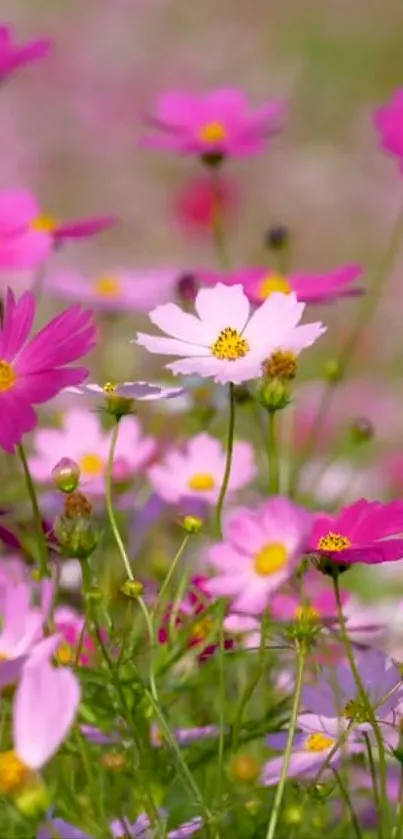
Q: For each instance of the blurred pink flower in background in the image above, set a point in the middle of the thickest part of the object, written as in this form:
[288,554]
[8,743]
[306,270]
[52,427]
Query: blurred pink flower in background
[83,439]
[198,200]
[197,470]
[115,291]
[388,120]
[260,551]
[70,625]
[24,243]
[224,340]
[220,123]
[260,283]
[34,371]
[315,602]
[14,56]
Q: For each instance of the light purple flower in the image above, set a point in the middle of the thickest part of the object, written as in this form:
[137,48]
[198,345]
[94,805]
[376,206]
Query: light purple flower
[60,829]
[312,746]
[21,636]
[141,391]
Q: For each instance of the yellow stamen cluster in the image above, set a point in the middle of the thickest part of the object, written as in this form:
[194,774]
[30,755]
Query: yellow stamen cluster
[270,559]
[230,345]
[334,542]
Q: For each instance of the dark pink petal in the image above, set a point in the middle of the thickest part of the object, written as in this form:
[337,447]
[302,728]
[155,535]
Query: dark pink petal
[322,525]
[18,323]
[44,385]
[27,250]
[83,228]
[17,418]
[389,550]
[67,337]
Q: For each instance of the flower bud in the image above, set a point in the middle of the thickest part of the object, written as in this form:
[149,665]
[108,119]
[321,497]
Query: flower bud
[66,475]
[277,237]
[192,524]
[326,565]
[332,371]
[78,537]
[361,430]
[245,767]
[186,287]
[273,395]
[132,588]
[77,505]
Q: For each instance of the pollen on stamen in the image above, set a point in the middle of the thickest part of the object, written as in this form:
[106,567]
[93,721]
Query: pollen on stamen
[334,542]
[230,345]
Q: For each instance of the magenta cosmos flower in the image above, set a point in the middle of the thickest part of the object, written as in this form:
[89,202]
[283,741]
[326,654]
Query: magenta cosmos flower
[13,56]
[260,283]
[115,291]
[34,371]
[260,551]
[197,470]
[212,126]
[314,744]
[388,120]
[83,439]
[44,708]
[223,339]
[360,533]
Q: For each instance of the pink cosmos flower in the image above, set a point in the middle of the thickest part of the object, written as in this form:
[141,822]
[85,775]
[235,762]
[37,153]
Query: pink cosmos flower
[197,470]
[223,340]
[312,747]
[23,243]
[260,551]
[260,283]
[21,636]
[360,533]
[83,439]
[12,57]
[115,291]
[45,705]
[34,371]
[212,126]
[318,603]
[388,120]
[83,228]
[69,624]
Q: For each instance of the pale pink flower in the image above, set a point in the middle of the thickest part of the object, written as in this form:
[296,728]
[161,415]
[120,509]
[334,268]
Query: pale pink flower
[115,290]
[197,470]
[23,244]
[260,551]
[83,439]
[21,636]
[223,340]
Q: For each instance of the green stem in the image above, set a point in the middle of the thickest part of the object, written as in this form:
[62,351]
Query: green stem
[365,702]
[42,543]
[272,448]
[221,705]
[217,221]
[228,461]
[377,802]
[278,799]
[171,572]
[398,828]
[346,798]
[365,315]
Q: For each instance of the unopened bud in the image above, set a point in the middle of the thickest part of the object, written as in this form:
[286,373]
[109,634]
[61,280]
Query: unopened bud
[132,588]
[281,365]
[293,814]
[77,505]
[186,287]
[245,767]
[327,565]
[273,395]
[332,370]
[277,237]
[78,537]
[192,524]
[362,430]
[66,475]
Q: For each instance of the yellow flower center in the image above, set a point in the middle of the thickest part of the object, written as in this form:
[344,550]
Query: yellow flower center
[272,283]
[13,772]
[44,224]
[318,742]
[64,654]
[270,559]
[230,345]
[307,613]
[334,542]
[109,387]
[91,464]
[108,287]
[202,482]
[213,133]
[202,628]
[7,376]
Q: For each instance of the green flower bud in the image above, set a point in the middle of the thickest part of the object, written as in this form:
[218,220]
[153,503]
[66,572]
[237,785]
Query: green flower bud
[66,475]
[192,524]
[132,588]
[78,537]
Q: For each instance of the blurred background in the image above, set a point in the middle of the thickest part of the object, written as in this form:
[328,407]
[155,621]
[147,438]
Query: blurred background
[70,129]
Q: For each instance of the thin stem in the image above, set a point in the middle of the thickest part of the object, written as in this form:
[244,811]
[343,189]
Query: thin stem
[365,702]
[42,543]
[365,315]
[398,828]
[221,703]
[109,502]
[272,448]
[218,221]
[228,461]
[278,799]
[171,572]
[377,802]
[347,800]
